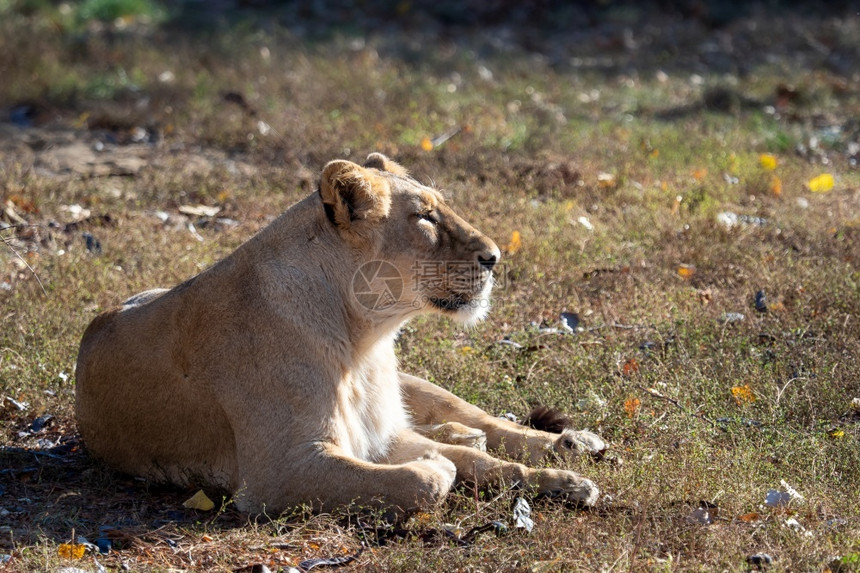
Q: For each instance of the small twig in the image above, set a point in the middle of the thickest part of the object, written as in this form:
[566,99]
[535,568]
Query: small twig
[617,561]
[678,405]
[627,326]
[619,326]
[781,390]
[11,248]
[37,453]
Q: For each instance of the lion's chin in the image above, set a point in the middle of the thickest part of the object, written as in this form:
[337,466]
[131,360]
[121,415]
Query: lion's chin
[467,311]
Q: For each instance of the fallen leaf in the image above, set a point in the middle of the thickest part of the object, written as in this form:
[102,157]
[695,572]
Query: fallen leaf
[837,434]
[630,367]
[705,296]
[821,183]
[631,406]
[199,210]
[606,180]
[749,517]
[71,550]
[515,243]
[776,185]
[686,271]
[199,501]
[24,205]
[700,174]
[767,161]
[743,394]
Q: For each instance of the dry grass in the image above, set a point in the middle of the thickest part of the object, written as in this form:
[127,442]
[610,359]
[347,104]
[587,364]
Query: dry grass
[653,367]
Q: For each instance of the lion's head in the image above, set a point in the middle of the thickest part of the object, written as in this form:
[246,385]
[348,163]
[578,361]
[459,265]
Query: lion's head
[416,254]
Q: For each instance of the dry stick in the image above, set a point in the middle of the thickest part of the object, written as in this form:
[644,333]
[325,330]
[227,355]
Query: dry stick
[7,243]
[678,405]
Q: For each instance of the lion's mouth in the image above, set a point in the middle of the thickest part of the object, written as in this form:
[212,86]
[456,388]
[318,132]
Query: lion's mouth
[453,303]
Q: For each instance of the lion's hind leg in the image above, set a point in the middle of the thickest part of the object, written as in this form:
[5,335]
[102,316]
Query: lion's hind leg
[432,406]
[454,433]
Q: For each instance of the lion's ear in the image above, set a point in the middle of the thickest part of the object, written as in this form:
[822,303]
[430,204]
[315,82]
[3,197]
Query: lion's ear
[351,194]
[383,163]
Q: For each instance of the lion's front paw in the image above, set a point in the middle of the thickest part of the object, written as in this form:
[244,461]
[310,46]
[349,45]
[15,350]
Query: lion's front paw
[435,476]
[573,443]
[568,445]
[567,485]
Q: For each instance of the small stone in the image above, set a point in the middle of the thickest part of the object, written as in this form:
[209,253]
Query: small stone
[760,561]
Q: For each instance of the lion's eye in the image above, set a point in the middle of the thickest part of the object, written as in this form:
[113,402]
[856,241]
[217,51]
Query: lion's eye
[427,216]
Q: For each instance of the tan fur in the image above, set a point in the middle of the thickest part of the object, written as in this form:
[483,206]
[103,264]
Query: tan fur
[271,376]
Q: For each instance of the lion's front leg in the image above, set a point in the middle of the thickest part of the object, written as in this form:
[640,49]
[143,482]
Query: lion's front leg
[322,476]
[431,405]
[479,468]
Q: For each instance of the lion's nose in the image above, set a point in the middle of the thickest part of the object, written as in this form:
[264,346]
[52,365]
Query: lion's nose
[489,258]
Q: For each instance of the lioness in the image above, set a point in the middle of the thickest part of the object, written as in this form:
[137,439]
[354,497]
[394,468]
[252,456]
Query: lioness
[273,373]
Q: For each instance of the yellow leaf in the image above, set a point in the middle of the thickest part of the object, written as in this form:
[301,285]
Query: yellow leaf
[515,243]
[776,185]
[467,350]
[199,501]
[768,161]
[606,180]
[631,406]
[686,271]
[71,550]
[837,434]
[821,183]
[733,164]
[81,122]
[743,394]
[426,144]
